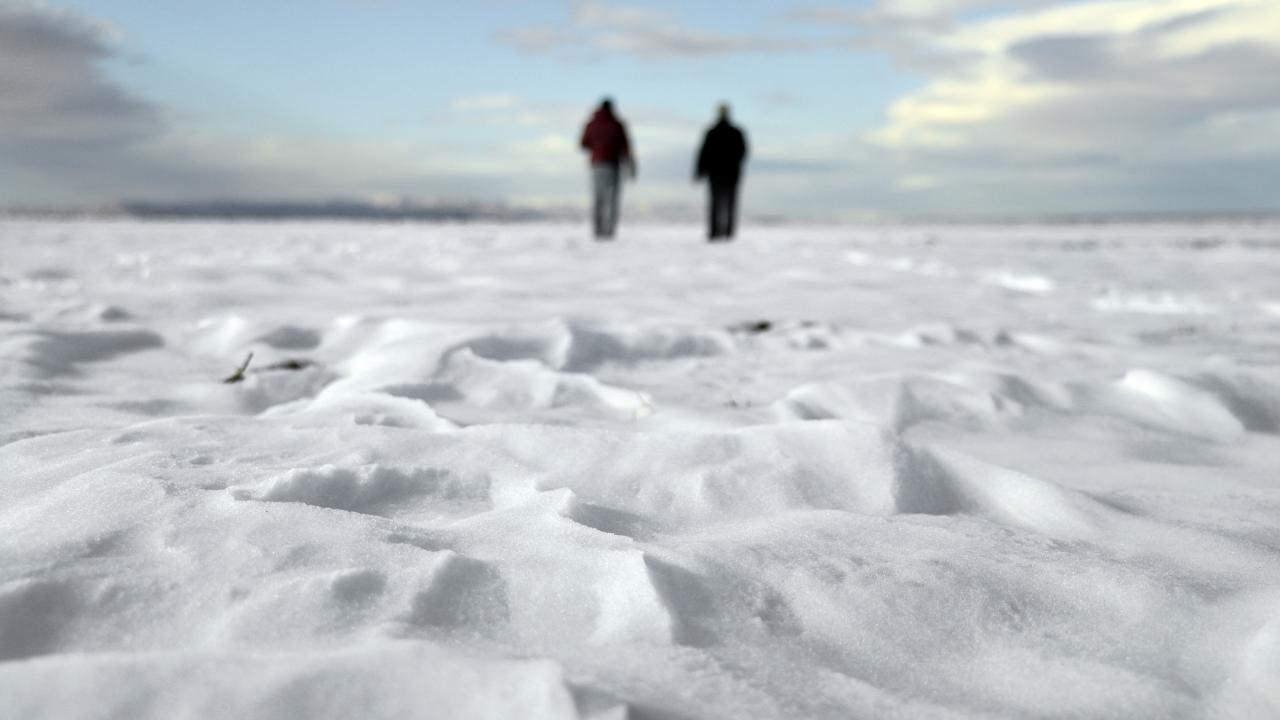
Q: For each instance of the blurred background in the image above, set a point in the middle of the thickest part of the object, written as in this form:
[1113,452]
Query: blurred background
[854,110]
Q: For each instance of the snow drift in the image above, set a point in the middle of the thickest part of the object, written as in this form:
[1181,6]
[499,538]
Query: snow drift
[500,472]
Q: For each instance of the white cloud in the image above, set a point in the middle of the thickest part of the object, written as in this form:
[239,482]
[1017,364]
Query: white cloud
[491,101]
[597,26]
[1036,105]
[1125,97]
[1114,49]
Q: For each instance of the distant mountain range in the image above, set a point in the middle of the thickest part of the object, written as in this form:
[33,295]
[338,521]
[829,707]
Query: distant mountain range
[330,209]
[337,209]
[416,211]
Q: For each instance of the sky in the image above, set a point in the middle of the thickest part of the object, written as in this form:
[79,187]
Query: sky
[858,109]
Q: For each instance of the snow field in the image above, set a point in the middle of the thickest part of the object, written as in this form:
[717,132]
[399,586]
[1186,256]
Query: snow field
[501,472]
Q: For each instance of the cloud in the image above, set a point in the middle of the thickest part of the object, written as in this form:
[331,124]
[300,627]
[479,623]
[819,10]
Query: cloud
[70,134]
[1141,104]
[512,113]
[908,31]
[600,27]
[1035,105]
[1121,65]
[52,91]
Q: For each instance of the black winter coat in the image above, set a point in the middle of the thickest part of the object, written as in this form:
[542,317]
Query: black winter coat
[723,151]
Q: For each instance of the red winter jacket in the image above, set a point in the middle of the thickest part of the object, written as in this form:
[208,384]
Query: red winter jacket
[606,137]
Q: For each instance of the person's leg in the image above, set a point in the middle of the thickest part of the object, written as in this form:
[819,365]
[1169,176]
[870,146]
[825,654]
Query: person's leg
[730,208]
[615,198]
[719,212]
[599,199]
[713,211]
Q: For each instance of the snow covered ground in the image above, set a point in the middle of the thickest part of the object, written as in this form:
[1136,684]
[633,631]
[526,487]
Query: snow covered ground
[503,471]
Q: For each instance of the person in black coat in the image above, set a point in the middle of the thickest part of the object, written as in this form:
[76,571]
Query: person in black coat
[724,149]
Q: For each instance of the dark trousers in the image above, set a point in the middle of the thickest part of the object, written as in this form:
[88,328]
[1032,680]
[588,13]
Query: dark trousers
[724,208]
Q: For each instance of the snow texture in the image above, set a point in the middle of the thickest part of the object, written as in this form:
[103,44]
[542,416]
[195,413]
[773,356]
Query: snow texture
[503,472]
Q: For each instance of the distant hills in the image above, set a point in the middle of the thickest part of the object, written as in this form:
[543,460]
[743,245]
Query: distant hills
[338,209]
[417,211]
[330,209]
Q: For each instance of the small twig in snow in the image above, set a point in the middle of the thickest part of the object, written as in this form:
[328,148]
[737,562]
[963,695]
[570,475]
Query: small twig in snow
[238,375]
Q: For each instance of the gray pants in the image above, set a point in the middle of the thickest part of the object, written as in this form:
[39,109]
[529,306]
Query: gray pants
[606,195]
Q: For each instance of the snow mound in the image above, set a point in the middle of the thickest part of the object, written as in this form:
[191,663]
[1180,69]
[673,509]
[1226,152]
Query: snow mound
[812,336]
[595,346]
[1031,342]
[897,402]
[290,337]
[465,378]
[1152,304]
[369,489]
[1259,667]
[385,680]
[1018,389]
[693,478]
[362,408]
[1166,403]
[941,482]
[577,347]
[1020,282]
[927,267]
[36,614]
[461,592]
[108,313]
[541,477]
[1254,400]
[220,336]
[233,335]
[52,353]
[371,355]
[49,274]
[549,342]
[940,334]
[566,582]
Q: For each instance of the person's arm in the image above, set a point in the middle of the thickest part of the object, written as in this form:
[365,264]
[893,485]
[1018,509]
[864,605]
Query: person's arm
[628,157]
[700,169]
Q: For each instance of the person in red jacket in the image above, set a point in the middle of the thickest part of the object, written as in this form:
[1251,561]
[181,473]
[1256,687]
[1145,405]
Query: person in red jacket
[605,137]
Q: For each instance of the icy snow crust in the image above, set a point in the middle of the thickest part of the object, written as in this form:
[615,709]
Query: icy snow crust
[959,472]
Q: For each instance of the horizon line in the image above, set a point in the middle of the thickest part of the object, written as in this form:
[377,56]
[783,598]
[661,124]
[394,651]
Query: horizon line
[442,211]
